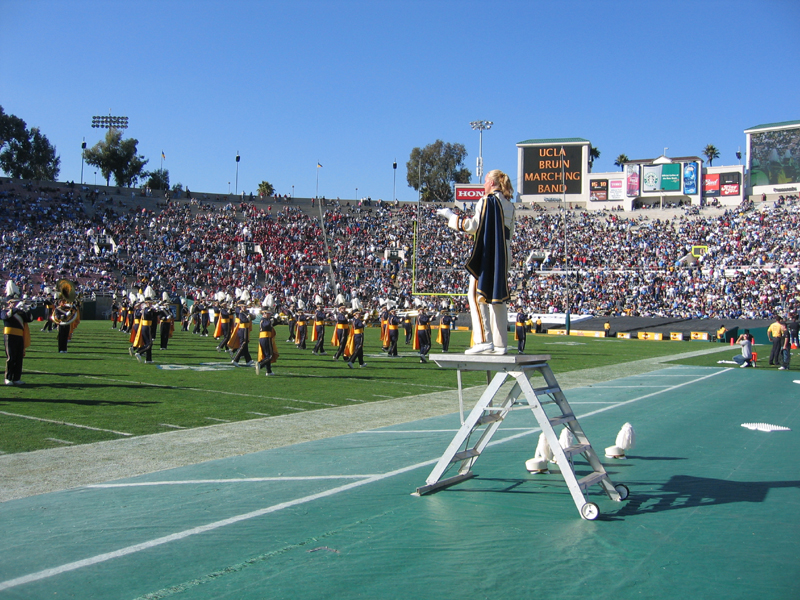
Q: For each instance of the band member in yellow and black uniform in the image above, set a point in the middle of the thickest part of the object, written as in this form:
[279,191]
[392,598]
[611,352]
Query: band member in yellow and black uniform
[16,337]
[166,324]
[184,317]
[520,331]
[64,316]
[143,343]
[114,314]
[196,308]
[204,320]
[318,334]
[384,316]
[301,331]
[134,318]
[222,330]
[49,307]
[539,325]
[393,328]
[341,333]
[123,316]
[445,324]
[423,336]
[357,341]
[267,349]
[292,320]
[240,336]
[408,326]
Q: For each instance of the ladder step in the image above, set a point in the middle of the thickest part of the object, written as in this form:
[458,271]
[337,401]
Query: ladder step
[568,418]
[489,419]
[465,454]
[576,449]
[546,390]
[591,479]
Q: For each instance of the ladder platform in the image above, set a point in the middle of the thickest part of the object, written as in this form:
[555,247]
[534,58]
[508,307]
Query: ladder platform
[556,421]
[488,362]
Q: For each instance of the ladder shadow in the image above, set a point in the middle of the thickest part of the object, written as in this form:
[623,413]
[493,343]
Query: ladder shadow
[686,491]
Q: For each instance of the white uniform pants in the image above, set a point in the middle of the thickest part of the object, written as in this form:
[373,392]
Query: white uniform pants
[489,321]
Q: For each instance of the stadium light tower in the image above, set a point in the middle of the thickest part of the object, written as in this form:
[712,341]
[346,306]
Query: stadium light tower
[110,122]
[480,126]
[236,191]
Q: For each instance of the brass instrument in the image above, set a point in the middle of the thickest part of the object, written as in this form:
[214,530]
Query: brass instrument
[65,290]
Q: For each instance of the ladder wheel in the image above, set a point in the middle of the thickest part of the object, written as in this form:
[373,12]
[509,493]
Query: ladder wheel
[623,491]
[590,511]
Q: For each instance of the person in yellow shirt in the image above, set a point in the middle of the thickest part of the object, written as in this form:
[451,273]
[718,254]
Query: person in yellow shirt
[775,334]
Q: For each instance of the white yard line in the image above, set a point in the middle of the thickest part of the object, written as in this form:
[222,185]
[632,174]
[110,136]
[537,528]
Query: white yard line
[66,423]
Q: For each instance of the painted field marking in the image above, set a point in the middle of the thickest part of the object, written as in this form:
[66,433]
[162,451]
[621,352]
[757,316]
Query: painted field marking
[100,558]
[172,426]
[218,420]
[66,423]
[238,480]
[58,441]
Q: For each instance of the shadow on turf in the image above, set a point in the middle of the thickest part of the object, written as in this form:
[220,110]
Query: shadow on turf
[680,492]
[78,402]
[686,491]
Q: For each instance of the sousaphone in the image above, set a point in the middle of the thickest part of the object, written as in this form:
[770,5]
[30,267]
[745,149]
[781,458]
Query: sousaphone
[65,290]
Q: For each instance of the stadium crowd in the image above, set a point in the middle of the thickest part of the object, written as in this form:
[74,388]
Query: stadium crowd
[612,263]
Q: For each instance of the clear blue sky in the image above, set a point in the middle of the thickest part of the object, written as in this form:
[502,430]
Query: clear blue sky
[356,84]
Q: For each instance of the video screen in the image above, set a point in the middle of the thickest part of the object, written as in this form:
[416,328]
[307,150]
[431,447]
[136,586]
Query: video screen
[775,157]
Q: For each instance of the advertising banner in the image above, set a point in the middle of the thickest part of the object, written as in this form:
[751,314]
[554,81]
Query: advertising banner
[711,185]
[671,177]
[651,178]
[469,192]
[616,189]
[598,190]
[690,178]
[729,189]
[632,179]
[729,178]
[542,168]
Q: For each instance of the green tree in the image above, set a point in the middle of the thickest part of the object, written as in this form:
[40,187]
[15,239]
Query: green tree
[26,154]
[265,188]
[594,153]
[158,179]
[710,152]
[117,157]
[621,160]
[435,168]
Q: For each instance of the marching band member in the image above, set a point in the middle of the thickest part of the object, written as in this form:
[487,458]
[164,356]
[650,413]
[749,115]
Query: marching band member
[240,336]
[64,316]
[16,337]
[166,325]
[301,331]
[356,341]
[393,329]
[422,339]
[445,324]
[267,349]
[318,332]
[143,342]
[492,226]
[222,330]
[341,333]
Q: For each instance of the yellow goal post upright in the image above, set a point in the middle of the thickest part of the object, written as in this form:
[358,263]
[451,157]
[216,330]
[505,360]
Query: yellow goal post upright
[698,251]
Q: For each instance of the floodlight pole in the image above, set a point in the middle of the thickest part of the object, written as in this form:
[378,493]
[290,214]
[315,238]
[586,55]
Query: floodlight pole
[480,126]
[236,189]
[394,182]
[83,151]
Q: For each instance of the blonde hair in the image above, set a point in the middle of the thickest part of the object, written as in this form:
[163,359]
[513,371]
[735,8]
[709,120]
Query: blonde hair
[502,183]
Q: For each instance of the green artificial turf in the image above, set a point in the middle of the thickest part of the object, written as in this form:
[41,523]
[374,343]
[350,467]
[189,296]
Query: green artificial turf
[98,386]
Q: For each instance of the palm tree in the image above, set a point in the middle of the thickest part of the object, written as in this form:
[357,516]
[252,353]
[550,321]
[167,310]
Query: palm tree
[711,153]
[621,160]
[593,154]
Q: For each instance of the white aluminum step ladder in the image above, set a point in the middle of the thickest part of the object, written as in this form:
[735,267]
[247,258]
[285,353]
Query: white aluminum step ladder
[522,395]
